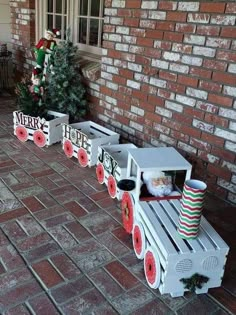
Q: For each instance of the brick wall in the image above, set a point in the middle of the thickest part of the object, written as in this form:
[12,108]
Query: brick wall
[168,78]
[23,35]
[169,70]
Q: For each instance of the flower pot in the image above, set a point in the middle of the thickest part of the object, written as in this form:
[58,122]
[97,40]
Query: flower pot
[39,130]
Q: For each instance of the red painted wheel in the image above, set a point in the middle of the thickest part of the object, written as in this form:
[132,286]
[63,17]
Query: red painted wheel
[139,240]
[68,148]
[152,268]
[39,138]
[127,212]
[82,157]
[21,133]
[100,173]
[111,186]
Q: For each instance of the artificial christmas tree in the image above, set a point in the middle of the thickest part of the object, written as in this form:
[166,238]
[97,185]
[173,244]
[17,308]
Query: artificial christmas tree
[66,92]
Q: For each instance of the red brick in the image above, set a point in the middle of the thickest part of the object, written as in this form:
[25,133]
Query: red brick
[176,16]
[173,37]
[2,269]
[223,154]
[33,242]
[156,34]
[179,136]
[216,120]
[193,112]
[223,173]
[123,237]
[170,76]
[42,173]
[175,87]
[119,79]
[3,239]
[42,305]
[65,266]
[121,274]
[140,95]
[7,216]
[200,72]
[215,64]
[226,55]
[152,117]
[106,284]
[230,8]
[208,30]
[210,86]
[87,302]
[108,45]
[155,100]
[187,80]
[220,100]
[214,140]
[225,78]
[137,32]
[32,204]
[185,28]
[196,143]
[109,28]
[19,309]
[132,22]
[48,275]
[14,231]
[105,90]
[215,7]
[50,248]
[171,124]
[128,74]
[167,5]
[78,231]
[190,131]
[20,294]
[70,290]
[165,26]
[114,54]
[182,118]
[133,4]
[147,42]
[75,209]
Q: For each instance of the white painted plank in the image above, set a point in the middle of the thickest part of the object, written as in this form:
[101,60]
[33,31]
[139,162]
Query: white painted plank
[169,224]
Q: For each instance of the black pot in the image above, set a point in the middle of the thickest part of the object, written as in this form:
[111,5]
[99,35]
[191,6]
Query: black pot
[126,184]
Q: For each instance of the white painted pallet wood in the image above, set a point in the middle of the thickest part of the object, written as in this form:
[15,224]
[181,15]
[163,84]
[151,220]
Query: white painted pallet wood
[112,166]
[179,258]
[153,223]
[82,140]
[42,132]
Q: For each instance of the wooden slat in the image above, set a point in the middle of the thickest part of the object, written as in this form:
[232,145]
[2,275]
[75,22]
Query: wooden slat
[169,225]
[194,244]
[157,230]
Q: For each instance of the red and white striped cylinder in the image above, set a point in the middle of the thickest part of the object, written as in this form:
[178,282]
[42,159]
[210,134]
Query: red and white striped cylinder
[191,208]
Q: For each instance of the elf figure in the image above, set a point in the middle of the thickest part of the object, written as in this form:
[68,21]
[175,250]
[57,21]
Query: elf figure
[45,47]
[36,89]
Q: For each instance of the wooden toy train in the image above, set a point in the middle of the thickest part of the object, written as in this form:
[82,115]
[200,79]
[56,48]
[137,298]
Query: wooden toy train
[171,264]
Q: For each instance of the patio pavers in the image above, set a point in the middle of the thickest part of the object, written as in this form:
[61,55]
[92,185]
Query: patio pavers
[63,249]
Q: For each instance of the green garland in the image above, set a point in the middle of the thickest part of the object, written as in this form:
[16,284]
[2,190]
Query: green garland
[195,282]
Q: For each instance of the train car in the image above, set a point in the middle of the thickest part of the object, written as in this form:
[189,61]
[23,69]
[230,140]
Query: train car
[42,132]
[171,264]
[82,140]
[112,166]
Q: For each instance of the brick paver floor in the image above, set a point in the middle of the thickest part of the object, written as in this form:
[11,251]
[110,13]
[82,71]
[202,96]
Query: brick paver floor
[62,246]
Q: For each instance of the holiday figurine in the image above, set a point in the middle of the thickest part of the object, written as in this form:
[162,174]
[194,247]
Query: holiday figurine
[36,89]
[45,47]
